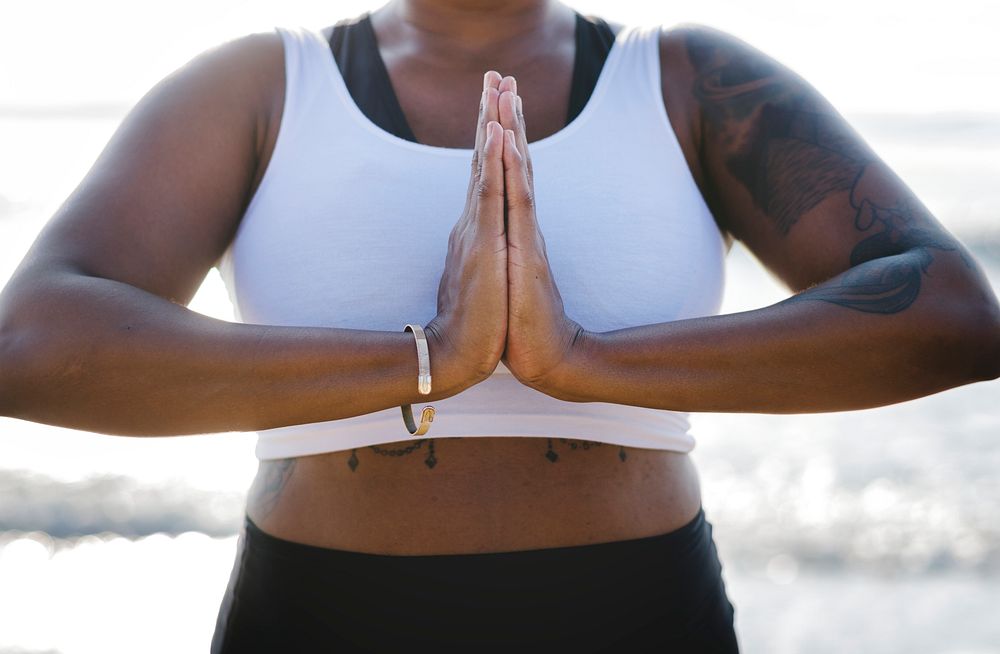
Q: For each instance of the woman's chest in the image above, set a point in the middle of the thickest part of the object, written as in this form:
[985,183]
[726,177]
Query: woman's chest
[447,117]
[350,224]
[360,242]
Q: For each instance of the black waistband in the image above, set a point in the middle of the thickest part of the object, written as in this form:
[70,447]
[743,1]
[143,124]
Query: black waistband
[657,593]
[683,536]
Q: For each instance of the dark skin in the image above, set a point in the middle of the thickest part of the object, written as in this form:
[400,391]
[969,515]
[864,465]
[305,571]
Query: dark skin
[889,305]
[886,292]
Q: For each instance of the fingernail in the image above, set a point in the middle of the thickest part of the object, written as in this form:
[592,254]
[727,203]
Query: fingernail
[513,85]
[486,80]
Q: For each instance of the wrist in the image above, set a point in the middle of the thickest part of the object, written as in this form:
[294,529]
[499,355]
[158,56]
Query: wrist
[563,381]
[448,373]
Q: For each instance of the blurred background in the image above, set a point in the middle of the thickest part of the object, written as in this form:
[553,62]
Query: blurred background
[867,531]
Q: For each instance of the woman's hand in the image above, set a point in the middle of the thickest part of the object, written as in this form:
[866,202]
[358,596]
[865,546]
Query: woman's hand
[539,334]
[467,336]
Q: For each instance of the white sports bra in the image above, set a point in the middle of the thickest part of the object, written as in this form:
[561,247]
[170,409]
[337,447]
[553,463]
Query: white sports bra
[328,240]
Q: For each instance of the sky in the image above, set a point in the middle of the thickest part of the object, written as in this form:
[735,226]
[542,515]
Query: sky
[865,55]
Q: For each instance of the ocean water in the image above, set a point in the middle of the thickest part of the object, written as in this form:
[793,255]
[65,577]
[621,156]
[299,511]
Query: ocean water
[866,531]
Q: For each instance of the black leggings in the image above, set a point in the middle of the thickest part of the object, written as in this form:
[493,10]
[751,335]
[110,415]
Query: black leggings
[660,593]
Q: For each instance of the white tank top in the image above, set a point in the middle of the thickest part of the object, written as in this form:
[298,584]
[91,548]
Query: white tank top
[332,235]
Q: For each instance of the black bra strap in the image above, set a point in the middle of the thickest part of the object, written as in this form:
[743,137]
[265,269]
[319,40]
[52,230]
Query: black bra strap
[593,42]
[356,52]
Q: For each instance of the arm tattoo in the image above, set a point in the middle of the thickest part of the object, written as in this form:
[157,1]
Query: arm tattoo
[786,146]
[791,150]
[875,284]
[271,481]
[793,161]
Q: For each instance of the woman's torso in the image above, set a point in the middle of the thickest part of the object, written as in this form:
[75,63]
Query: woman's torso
[482,494]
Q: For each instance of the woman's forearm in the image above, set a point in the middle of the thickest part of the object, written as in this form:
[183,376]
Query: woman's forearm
[103,356]
[805,354]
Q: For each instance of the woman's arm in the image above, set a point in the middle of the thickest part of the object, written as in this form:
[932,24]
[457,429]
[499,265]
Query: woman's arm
[94,333]
[891,306]
[104,356]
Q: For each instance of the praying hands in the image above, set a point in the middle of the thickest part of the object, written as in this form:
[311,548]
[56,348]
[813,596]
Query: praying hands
[497,300]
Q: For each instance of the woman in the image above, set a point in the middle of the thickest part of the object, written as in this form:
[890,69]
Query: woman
[568,312]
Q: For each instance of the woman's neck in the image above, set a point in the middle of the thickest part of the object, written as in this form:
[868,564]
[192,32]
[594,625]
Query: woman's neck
[472,27]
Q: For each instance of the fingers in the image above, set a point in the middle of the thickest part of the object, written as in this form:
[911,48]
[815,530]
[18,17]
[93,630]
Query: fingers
[518,185]
[517,189]
[507,105]
[490,187]
[487,112]
[508,84]
[522,140]
[487,107]
[491,80]
[512,118]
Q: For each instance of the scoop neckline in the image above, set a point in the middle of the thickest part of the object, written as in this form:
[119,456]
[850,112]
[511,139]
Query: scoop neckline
[330,65]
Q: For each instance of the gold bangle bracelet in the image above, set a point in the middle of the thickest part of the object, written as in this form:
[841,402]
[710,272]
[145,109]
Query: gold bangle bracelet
[423,384]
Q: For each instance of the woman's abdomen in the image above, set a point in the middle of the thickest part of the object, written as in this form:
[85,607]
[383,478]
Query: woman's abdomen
[468,495]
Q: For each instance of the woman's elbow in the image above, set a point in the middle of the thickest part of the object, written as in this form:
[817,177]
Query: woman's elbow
[991,361]
[980,347]
[956,338]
